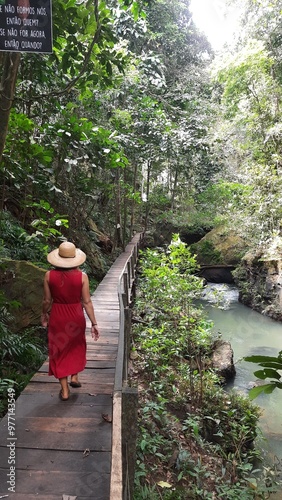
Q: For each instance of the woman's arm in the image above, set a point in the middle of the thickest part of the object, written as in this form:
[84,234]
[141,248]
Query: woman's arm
[47,301]
[87,303]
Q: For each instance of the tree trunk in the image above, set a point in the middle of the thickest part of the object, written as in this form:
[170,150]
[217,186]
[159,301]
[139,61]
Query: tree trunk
[133,202]
[149,168]
[7,89]
[125,206]
[174,189]
[118,236]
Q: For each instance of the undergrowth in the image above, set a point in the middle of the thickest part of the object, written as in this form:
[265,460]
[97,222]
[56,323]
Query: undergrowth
[195,441]
[21,354]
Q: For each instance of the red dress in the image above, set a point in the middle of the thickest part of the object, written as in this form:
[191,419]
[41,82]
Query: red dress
[66,329]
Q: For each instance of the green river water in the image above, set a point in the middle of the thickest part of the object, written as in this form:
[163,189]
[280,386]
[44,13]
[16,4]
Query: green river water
[249,332]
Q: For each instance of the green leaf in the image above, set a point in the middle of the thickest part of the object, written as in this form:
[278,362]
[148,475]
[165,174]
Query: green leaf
[261,359]
[267,373]
[256,391]
[109,68]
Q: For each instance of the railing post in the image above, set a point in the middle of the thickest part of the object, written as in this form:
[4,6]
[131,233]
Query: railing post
[129,436]
[128,272]
[127,339]
[125,288]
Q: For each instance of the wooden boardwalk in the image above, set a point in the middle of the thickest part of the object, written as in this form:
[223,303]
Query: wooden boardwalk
[64,449]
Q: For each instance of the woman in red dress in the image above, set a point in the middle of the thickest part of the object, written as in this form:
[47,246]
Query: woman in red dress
[66,293]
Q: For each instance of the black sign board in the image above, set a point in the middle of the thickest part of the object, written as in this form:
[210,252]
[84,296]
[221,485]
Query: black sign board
[26,26]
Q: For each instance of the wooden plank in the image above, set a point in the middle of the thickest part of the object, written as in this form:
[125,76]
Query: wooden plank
[106,375]
[88,484]
[106,299]
[57,433]
[100,356]
[100,347]
[43,399]
[106,331]
[116,465]
[27,409]
[75,461]
[95,363]
[42,374]
[54,388]
[100,308]
[37,496]
[107,320]
[107,316]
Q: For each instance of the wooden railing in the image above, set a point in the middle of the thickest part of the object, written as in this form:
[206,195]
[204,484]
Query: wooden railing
[125,399]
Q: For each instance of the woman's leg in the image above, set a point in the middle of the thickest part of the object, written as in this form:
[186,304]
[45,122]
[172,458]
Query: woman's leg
[74,381]
[64,386]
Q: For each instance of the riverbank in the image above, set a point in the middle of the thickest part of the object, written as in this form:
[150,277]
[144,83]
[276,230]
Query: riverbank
[249,333]
[195,439]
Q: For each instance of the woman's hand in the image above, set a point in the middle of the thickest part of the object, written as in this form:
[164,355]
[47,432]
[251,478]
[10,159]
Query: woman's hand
[44,319]
[95,332]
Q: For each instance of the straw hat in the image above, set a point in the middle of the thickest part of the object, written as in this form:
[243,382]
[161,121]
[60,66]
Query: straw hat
[66,256]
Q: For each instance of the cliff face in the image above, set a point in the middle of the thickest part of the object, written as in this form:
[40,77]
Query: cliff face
[258,273]
[259,279]
[22,282]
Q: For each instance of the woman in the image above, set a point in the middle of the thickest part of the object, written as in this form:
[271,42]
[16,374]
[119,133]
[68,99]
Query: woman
[66,292]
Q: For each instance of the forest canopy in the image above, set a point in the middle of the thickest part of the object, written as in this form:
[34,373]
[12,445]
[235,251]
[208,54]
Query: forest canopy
[132,121]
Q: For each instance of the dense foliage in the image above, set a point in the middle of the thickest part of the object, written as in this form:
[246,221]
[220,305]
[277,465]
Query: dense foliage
[113,110]
[194,438]
[131,122]
[20,354]
[248,89]
[124,123]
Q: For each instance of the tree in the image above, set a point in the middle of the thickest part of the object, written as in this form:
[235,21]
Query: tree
[105,110]
[10,63]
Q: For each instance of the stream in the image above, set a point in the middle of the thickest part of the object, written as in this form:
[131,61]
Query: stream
[249,333]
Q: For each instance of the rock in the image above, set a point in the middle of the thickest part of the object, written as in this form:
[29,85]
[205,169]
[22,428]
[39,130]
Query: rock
[164,230]
[23,282]
[255,383]
[222,360]
[101,239]
[220,246]
[217,274]
[259,280]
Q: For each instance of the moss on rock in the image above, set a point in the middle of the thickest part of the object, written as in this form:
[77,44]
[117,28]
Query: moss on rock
[220,246]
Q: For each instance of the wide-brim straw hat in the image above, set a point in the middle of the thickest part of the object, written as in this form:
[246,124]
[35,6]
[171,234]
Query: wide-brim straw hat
[66,256]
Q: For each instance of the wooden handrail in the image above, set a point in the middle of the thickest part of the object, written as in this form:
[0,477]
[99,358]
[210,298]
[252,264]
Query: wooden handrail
[125,283]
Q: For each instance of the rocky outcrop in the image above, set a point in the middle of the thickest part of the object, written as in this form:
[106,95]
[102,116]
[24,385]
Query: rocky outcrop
[259,280]
[222,360]
[22,282]
[220,246]
[164,230]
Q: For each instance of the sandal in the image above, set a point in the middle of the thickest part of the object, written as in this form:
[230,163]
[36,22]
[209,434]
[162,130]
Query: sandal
[62,397]
[75,384]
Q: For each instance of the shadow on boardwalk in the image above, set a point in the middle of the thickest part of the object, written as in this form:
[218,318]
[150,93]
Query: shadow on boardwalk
[50,448]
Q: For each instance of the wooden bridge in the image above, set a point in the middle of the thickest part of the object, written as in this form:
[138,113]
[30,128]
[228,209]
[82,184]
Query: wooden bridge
[80,448]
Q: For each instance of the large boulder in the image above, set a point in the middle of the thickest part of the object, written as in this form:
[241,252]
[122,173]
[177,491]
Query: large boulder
[162,234]
[220,246]
[222,360]
[22,281]
[259,280]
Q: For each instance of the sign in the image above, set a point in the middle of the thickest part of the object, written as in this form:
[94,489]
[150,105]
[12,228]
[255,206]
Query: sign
[26,26]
